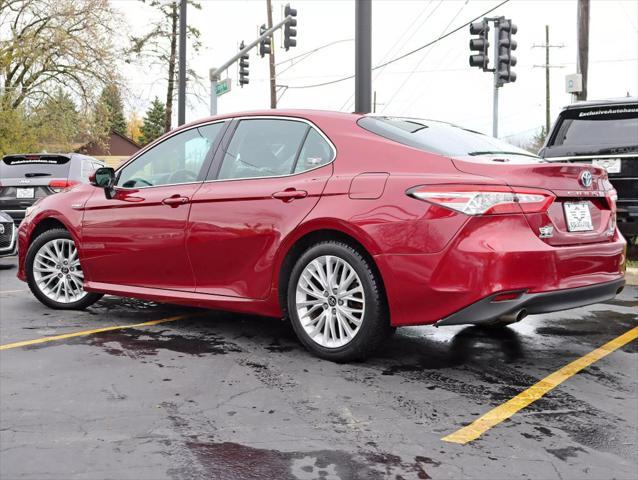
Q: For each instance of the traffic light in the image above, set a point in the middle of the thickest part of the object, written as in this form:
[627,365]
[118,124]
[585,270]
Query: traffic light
[289,32]
[505,60]
[264,44]
[243,67]
[479,44]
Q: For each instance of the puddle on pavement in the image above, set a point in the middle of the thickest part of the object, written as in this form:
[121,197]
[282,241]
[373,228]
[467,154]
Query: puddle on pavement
[233,461]
[142,343]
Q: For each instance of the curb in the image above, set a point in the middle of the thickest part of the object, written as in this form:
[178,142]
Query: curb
[631,276]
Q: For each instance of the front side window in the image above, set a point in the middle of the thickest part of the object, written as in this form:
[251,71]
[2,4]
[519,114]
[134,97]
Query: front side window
[263,148]
[178,159]
[88,167]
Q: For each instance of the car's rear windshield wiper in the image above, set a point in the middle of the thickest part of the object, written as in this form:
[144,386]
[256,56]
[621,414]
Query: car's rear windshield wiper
[501,152]
[37,174]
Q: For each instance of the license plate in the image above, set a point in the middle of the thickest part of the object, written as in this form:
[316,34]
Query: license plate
[612,165]
[24,193]
[578,217]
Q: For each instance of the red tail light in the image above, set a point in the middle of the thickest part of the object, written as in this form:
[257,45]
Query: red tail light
[485,199]
[59,185]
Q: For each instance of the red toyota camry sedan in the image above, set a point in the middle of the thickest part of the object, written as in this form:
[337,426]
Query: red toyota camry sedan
[349,225]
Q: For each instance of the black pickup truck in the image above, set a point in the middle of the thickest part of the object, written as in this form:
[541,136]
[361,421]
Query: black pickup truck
[604,133]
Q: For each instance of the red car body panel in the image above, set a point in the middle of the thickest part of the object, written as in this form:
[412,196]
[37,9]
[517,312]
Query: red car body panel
[225,248]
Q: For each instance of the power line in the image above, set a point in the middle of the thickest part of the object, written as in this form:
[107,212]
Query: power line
[406,79]
[391,50]
[407,54]
[310,52]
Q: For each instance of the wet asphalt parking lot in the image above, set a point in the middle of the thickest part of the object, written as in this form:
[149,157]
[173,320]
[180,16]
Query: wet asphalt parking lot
[223,396]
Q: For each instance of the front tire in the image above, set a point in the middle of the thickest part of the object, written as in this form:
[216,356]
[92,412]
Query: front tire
[336,303]
[54,273]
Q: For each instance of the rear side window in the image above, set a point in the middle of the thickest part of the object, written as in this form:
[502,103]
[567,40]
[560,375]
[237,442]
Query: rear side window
[439,137]
[316,151]
[21,166]
[602,126]
[263,148]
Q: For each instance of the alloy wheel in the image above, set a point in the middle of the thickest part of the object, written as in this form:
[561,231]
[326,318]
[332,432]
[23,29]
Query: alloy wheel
[330,301]
[57,271]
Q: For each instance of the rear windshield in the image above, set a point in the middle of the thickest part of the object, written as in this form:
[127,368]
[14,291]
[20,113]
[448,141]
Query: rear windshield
[602,126]
[439,137]
[17,166]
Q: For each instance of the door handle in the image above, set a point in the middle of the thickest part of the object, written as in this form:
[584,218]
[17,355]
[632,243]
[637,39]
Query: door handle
[175,201]
[290,194]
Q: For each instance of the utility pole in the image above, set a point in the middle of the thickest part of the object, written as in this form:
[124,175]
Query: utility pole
[181,92]
[582,63]
[547,66]
[271,60]
[363,56]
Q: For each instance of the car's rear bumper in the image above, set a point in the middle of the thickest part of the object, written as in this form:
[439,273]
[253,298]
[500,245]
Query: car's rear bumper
[488,310]
[491,256]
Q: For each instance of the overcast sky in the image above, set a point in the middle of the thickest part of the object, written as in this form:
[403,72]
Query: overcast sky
[433,83]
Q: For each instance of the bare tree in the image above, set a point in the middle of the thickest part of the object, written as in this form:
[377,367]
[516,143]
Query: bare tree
[50,43]
[159,46]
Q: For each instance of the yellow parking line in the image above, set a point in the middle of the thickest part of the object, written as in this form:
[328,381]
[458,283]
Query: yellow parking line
[536,391]
[13,291]
[83,333]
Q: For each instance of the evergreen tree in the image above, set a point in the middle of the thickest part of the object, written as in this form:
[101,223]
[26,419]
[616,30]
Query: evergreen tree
[111,107]
[57,122]
[153,126]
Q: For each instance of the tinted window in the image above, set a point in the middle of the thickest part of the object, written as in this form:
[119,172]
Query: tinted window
[19,166]
[314,153]
[262,148]
[178,159]
[438,137]
[615,126]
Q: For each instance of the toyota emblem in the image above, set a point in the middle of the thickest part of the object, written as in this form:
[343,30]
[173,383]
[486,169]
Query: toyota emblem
[1,229]
[586,178]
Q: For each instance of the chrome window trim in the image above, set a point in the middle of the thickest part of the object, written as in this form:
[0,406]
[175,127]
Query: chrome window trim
[148,148]
[281,117]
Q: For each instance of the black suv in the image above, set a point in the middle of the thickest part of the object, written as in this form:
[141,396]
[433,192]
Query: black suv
[604,133]
[25,178]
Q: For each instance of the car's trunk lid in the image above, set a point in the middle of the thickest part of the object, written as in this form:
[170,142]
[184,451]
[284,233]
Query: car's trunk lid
[567,181]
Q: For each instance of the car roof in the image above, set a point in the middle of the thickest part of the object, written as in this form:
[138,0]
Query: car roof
[601,103]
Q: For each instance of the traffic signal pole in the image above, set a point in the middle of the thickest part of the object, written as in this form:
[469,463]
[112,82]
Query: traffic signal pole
[496,82]
[271,61]
[504,29]
[215,73]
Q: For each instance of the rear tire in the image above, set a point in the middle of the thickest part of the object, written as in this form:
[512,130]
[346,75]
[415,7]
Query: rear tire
[54,273]
[336,303]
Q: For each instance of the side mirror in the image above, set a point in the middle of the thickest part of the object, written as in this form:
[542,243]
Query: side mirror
[104,177]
